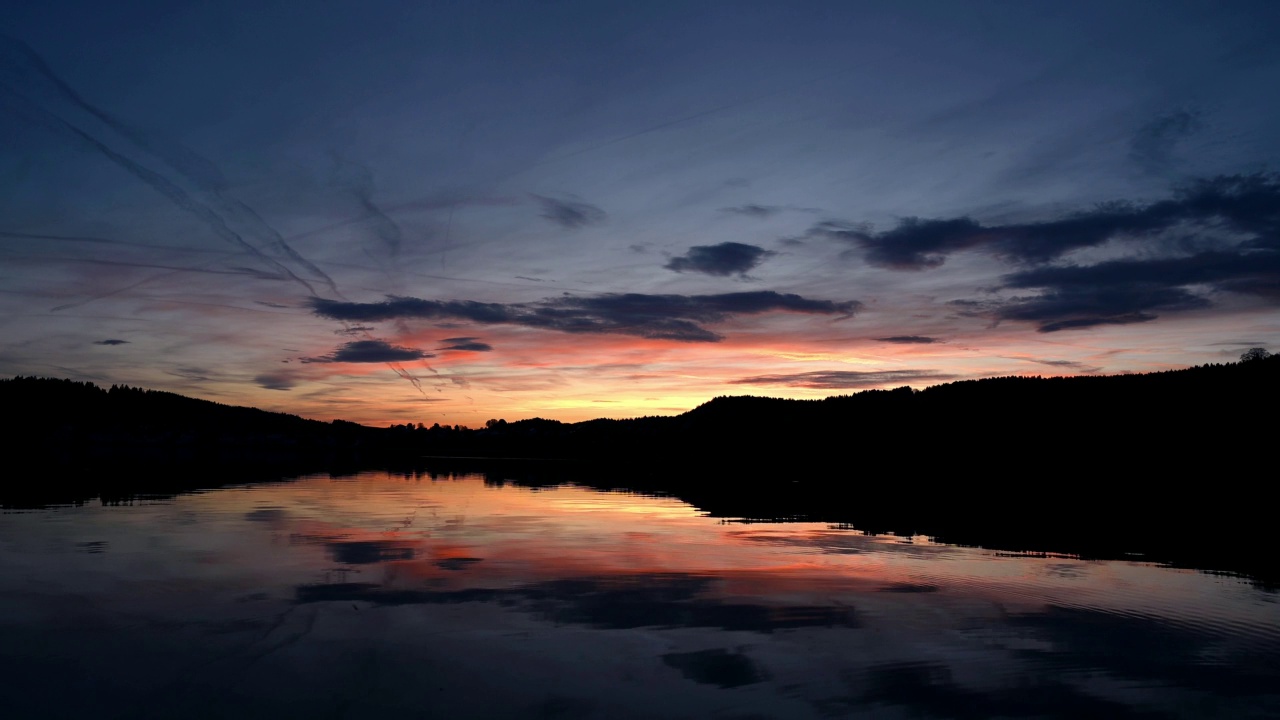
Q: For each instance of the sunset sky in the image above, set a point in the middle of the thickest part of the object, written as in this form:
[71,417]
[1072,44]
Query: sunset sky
[446,212]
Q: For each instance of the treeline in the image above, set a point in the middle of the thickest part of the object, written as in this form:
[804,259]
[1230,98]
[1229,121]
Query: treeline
[1214,418]
[1177,465]
[1209,417]
[1174,466]
[77,440]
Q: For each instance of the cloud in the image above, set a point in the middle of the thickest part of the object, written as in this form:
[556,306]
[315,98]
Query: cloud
[1153,144]
[659,317]
[353,330]
[728,258]
[369,351]
[570,214]
[1078,309]
[761,212]
[111,341]
[275,381]
[845,379]
[1072,364]
[753,210]
[1221,208]
[1133,290]
[196,374]
[466,343]
[908,339]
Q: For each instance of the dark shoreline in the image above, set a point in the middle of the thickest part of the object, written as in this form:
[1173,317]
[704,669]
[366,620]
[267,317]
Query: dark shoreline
[1214,545]
[1172,466]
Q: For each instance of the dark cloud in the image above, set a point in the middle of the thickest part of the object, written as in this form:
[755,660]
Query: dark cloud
[1078,309]
[845,379]
[1239,268]
[111,341]
[1224,207]
[1135,290]
[729,258]
[908,339]
[466,343]
[659,317]
[370,351]
[1153,144]
[1220,235]
[353,330]
[275,381]
[570,214]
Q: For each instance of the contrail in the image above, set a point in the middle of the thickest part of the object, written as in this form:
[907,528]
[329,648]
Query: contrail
[89,239]
[359,181]
[179,197]
[171,272]
[195,168]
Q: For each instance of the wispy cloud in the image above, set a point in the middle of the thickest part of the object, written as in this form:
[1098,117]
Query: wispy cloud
[276,381]
[111,341]
[1153,145]
[1069,364]
[754,210]
[570,214]
[845,379]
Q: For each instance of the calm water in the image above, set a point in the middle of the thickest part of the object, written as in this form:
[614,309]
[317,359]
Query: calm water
[381,595]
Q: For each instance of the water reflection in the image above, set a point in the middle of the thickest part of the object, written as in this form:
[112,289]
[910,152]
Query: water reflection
[381,594]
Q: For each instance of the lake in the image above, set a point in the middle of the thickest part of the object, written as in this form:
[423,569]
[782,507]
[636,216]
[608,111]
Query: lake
[383,595]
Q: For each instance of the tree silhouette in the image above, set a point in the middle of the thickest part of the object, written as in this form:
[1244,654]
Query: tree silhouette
[1256,353]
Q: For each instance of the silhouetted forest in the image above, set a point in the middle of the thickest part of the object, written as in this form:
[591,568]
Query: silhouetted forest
[1176,465]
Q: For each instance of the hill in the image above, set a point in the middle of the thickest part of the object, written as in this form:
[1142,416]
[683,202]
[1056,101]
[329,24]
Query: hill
[1173,465]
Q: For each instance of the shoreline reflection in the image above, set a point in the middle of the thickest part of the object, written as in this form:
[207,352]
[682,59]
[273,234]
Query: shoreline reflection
[385,593]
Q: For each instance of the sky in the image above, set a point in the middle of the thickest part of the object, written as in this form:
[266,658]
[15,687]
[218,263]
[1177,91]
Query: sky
[446,212]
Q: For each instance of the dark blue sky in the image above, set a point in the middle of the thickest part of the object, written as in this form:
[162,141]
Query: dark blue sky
[415,211]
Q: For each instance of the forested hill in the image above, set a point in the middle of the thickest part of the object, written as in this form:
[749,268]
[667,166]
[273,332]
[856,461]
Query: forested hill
[1210,416]
[1173,464]
[66,424]
[1217,417]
